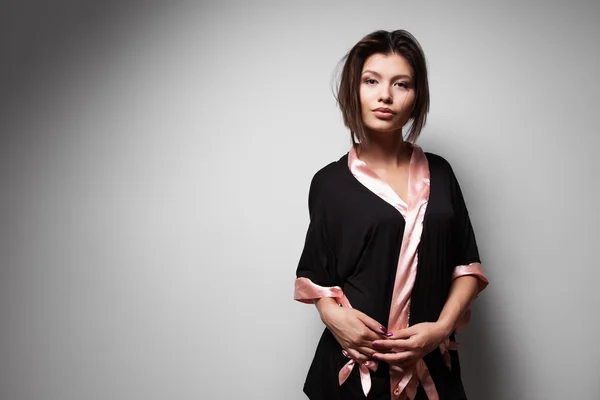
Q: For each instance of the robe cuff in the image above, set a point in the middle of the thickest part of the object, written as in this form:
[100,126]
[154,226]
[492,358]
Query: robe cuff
[305,291]
[473,269]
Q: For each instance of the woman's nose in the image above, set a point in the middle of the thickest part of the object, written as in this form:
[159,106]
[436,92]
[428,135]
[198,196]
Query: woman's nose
[385,95]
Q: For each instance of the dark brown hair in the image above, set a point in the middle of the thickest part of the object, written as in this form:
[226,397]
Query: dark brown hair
[399,42]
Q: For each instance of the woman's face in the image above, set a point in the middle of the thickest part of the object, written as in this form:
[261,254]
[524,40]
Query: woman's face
[387,93]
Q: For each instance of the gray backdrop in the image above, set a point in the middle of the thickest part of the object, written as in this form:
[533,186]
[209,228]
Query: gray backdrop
[155,160]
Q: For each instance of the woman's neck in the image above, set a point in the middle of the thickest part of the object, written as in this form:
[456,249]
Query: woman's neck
[385,150]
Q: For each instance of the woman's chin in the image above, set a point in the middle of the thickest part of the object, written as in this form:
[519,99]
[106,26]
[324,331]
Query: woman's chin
[384,128]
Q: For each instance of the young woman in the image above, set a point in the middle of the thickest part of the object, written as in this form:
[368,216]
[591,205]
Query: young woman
[390,257]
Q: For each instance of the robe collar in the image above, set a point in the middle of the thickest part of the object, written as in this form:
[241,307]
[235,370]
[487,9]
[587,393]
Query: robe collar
[404,381]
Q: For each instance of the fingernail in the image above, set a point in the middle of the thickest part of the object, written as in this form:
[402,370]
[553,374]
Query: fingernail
[375,356]
[383,329]
[389,334]
[375,344]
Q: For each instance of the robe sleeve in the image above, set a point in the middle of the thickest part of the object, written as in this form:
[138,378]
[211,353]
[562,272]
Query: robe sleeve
[466,254]
[316,267]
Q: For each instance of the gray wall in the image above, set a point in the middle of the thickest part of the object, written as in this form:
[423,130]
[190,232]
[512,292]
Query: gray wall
[155,161]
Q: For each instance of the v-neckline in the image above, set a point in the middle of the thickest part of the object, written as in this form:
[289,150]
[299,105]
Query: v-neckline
[377,185]
[413,212]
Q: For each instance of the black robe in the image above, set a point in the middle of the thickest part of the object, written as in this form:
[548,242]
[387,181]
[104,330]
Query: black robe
[353,241]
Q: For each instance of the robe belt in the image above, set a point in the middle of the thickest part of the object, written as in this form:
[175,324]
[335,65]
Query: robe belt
[363,367]
[306,291]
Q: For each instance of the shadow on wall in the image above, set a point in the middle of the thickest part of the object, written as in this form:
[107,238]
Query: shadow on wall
[478,356]
[38,35]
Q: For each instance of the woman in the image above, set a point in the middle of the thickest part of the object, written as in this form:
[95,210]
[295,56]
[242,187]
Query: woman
[389,240]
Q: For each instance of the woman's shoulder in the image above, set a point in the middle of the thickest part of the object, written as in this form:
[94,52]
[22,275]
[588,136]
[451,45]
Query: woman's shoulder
[330,173]
[439,164]
[437,160]
[328,178]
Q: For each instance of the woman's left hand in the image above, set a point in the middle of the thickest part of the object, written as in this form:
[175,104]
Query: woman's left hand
[408,345]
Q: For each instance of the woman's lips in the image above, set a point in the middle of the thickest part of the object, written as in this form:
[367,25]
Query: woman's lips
[383,114]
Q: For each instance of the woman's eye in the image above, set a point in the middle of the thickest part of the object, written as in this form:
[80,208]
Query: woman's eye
[371,81]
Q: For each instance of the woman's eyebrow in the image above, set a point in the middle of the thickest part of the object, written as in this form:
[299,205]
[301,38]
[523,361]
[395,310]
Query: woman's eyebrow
[393,78]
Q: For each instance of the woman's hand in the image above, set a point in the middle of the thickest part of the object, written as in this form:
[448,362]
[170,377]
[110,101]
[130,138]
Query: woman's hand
[408,345]
[354,330]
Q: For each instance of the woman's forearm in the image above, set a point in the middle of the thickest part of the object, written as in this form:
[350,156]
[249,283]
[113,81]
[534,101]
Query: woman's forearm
[462,293]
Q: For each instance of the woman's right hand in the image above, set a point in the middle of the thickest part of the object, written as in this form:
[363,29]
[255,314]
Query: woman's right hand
[354,330]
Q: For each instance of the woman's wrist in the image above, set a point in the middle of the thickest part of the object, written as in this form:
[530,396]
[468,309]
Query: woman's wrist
[445,327]
[324,305]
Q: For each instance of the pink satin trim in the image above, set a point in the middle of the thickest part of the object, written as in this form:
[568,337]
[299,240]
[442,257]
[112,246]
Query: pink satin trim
[307,291]
[473,269]
[444,347]
[411,378]
[365,375]
[404,381]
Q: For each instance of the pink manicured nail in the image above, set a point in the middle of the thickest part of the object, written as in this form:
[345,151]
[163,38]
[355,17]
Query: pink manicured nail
[383,329]
[389,334]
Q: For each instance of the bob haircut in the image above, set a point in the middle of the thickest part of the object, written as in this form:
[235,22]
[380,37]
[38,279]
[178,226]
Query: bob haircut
[399,42]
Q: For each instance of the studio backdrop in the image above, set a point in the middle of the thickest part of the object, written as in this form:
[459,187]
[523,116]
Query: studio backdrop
[155,161]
